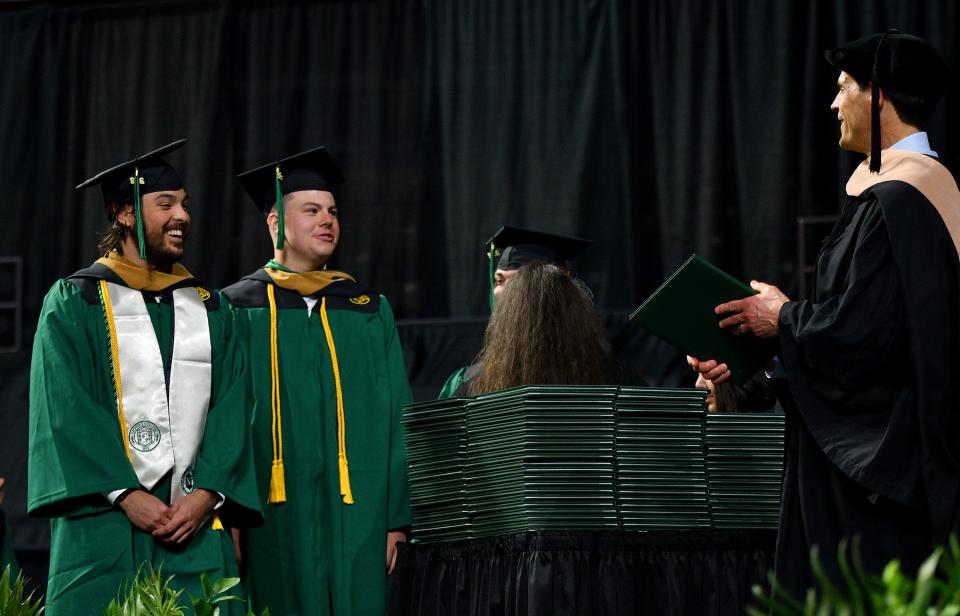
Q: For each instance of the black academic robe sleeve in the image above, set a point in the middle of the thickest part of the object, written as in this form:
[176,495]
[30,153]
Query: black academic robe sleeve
[845,355]
[869,359]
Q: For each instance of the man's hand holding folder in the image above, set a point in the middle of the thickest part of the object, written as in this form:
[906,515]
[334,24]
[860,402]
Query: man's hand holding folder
[758,315]
[704,311]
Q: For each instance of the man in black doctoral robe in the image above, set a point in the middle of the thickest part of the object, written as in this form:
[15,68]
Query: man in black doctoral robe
[873,410]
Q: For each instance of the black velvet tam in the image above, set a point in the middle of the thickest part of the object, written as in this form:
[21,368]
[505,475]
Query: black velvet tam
[909,66]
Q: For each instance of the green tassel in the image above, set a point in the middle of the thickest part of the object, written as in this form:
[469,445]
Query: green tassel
[141,243]
[490,255]
[279,210]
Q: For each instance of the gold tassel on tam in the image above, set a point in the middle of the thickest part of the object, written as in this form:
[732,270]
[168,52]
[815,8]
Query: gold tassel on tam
[345,491]
[278,486]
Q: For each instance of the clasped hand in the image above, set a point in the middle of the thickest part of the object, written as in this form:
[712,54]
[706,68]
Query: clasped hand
[175,524]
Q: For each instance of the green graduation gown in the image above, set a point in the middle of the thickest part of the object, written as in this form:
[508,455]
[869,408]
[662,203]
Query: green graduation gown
[458,383]
[315,554]
[76,451]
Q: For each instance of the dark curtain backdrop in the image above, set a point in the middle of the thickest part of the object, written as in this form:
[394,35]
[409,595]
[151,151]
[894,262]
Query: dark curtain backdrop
[657,128]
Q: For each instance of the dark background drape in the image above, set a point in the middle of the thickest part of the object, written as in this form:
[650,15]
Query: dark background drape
[656,128]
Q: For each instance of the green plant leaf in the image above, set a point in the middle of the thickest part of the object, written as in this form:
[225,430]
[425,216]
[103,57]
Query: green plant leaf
[5,588]
[12,599]
[898,588]
[924,585]
[778,602]
[202,608]
[205,585]
[223,584]
[832,598]
[810,603]
[856,607]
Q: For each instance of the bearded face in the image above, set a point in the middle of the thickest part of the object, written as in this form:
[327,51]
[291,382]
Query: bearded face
[166,222]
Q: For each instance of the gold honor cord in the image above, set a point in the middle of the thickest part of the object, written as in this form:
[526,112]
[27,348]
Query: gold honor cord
[343,467]
[115,364]
[278,486]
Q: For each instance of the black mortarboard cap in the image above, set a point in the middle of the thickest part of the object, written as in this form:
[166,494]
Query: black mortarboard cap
[310,170]
[155,175]
[126,182]
[901,64]
[517,247]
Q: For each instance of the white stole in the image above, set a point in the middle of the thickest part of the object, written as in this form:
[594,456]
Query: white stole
[164,429]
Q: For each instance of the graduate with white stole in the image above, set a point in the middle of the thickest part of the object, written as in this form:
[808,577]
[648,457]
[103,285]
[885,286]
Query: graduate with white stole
[139,449]
[328,385]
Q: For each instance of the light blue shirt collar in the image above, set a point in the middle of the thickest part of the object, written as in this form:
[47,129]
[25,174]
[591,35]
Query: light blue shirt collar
[916,142]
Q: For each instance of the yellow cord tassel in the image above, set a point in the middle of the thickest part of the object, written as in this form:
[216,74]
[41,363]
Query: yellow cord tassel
[342,464]
[115,357]
[278,485]
[217,524]
[345,491]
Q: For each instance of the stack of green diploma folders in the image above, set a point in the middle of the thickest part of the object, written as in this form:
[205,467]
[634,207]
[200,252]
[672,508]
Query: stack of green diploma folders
[588,458]
[661,470]
[744,463]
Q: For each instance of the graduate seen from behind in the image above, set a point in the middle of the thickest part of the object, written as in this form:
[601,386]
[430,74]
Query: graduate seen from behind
[543,331]
[328,385]
[139,450]
[866,364]
[507,251]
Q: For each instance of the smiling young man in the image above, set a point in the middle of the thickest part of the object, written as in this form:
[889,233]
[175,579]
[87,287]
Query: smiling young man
[873,410]
[328,385]
[138,440]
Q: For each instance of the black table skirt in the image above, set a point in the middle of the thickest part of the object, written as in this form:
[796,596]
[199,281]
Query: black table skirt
[705,573]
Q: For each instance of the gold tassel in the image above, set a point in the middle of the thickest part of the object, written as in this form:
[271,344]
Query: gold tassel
[345,491]
[217,524]
[278,486]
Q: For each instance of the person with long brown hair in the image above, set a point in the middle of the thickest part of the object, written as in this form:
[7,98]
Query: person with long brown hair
[508,250]
[544,330]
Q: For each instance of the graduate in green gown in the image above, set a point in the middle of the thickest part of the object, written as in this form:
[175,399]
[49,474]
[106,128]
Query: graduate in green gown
[139,447]
[328,385]
[508,250]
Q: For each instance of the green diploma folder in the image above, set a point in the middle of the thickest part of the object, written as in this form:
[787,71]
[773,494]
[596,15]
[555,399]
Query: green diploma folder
[681,312]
